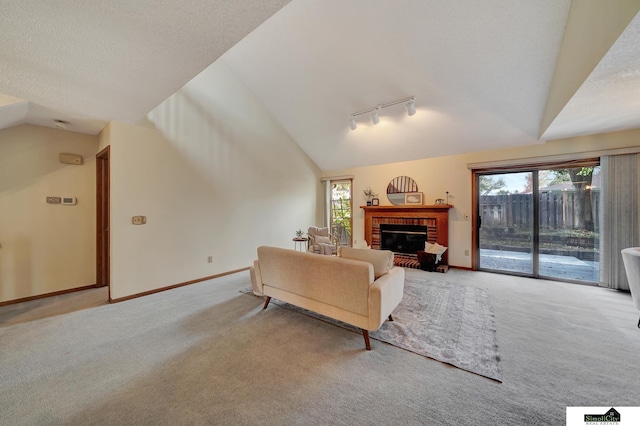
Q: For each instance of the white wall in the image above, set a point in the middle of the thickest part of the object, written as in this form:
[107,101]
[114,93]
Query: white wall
[45,247]
[215,176]
[435,176]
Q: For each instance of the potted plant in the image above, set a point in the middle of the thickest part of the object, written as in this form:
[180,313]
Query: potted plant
[299,233]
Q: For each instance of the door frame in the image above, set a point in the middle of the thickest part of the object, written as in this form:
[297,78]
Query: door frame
[330,183]
[103,233]
[535,168]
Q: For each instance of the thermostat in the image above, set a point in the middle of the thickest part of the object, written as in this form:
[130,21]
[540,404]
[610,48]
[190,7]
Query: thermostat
[70,159]
[69,201]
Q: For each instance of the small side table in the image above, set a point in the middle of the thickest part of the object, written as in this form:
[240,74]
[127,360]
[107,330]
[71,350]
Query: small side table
[300,241]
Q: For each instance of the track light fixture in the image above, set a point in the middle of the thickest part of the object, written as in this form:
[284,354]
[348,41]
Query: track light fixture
[375,111]
[375,118]
[411,107]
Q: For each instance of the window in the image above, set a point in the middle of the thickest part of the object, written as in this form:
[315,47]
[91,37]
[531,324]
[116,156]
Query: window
[340,211]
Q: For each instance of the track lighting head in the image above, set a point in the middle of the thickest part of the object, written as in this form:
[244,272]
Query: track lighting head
[375,117]
[352,123]
[411,107]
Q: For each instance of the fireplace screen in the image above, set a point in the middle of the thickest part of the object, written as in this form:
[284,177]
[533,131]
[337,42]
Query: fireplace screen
[406,239]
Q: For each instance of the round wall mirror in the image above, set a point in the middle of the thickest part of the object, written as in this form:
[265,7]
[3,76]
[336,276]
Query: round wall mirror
[398,187]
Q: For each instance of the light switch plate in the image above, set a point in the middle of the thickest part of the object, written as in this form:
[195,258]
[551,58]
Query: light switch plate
[53,200]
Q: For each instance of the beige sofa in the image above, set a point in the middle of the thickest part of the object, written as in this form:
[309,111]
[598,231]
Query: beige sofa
[360,287]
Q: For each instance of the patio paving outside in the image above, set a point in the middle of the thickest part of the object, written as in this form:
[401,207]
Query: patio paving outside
[551,266]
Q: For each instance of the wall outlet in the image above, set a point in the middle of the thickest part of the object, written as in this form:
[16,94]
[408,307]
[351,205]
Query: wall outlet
[139,220]
[210,259]
[466,252]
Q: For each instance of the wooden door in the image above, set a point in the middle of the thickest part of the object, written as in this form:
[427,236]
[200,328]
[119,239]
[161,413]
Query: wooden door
[102,219]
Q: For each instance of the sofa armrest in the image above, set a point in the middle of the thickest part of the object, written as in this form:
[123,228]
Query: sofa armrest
[256,279]
[385,294]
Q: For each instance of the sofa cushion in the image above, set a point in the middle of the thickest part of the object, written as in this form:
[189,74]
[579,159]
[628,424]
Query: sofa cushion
[382,260]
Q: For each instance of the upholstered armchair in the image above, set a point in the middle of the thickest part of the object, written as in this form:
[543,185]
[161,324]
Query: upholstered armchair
[631,259]
[321,241]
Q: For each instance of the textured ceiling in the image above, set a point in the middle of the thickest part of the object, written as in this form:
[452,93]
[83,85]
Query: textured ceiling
[480,71]
[609,100]
[92,61]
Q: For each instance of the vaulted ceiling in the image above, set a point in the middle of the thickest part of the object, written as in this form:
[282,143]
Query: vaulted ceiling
[88,62]
[481,72]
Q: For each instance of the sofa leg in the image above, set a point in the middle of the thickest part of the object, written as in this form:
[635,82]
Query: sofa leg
[390,317]
[365,333]
[266,302]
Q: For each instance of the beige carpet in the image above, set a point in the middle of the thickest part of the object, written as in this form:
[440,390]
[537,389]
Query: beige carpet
[451,323]
[205,354]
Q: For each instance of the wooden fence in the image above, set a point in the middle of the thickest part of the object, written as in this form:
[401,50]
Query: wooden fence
[557,210]
[342,233]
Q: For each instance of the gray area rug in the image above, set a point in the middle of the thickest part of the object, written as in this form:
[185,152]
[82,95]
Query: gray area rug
[450,323]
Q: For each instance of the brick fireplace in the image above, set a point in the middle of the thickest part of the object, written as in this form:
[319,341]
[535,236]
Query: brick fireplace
[434,217]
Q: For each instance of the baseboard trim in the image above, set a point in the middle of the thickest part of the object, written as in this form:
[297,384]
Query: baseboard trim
[466,268]
[170,287]
[42,296]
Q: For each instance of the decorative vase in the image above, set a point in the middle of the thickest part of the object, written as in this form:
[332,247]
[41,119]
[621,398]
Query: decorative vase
[368,202]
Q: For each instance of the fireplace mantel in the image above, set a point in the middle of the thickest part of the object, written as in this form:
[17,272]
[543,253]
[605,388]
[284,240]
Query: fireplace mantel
[410,208]
[436,217]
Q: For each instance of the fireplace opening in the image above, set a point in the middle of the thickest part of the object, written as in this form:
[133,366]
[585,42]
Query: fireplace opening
[405,239]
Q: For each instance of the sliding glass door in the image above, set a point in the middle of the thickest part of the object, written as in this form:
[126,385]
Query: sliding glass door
[506,223]
[540,223]
[568,229]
